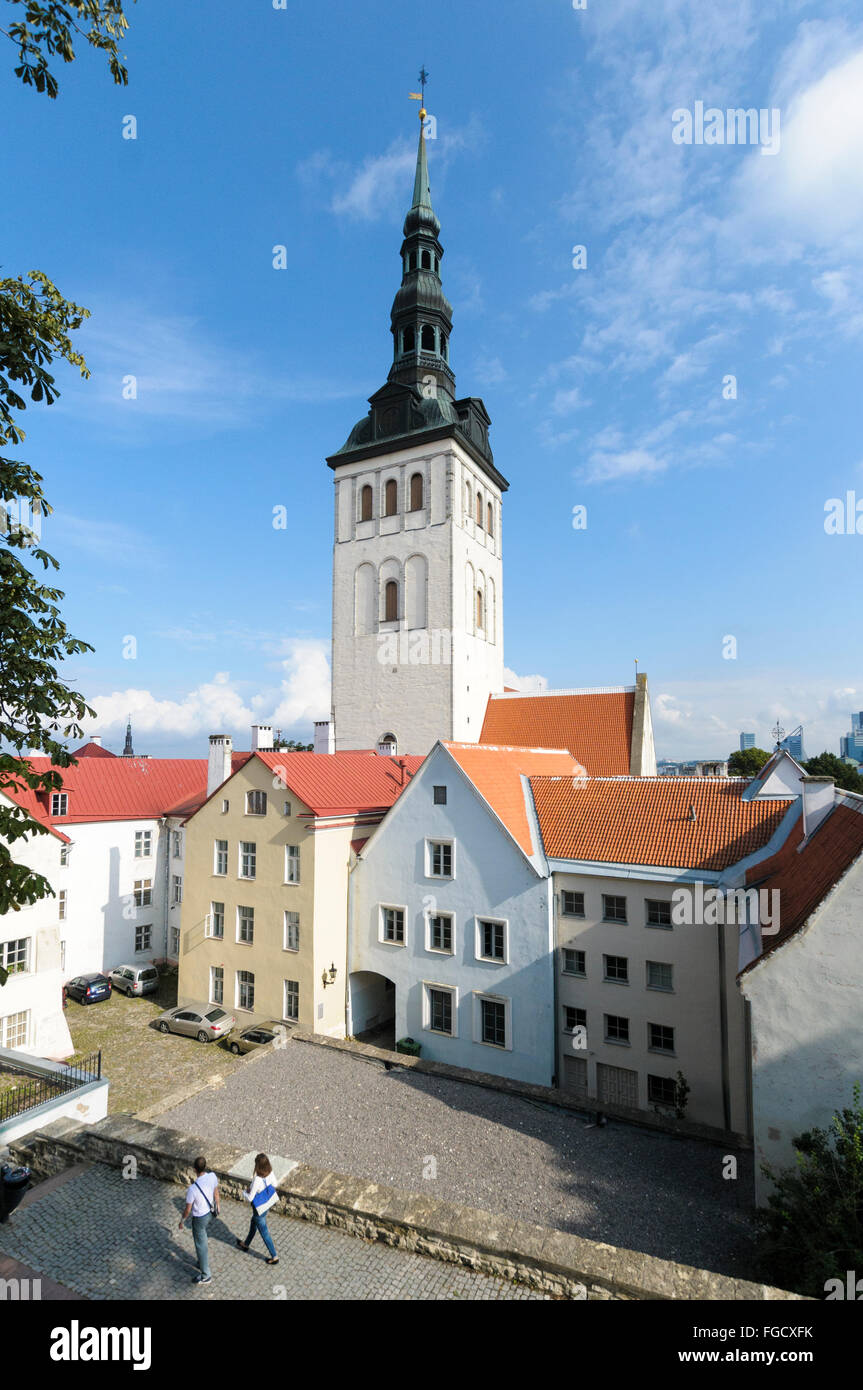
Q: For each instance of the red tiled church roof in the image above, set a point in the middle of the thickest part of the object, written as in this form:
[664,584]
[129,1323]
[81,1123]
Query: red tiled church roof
[497,772]
[647,820]
[595,726]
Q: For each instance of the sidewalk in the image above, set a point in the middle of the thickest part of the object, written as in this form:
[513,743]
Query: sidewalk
[105,1237]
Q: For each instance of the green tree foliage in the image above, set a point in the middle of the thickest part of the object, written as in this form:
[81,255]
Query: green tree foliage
[812,1227]
[828,765]
[746,762]
[283,745]
[37,710]
[43,31]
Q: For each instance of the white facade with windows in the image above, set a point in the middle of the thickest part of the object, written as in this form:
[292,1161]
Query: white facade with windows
[463,960]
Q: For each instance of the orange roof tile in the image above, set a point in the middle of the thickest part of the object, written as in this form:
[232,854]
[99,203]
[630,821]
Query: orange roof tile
[647,820]
[338,784]
[121,788]
[496,773]
[804,879]
[594,725]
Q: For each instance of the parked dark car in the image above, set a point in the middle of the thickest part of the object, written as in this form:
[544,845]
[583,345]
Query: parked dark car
[89,989]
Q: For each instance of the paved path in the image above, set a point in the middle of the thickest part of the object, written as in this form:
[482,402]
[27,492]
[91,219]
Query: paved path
[482,1148]
[106,1237]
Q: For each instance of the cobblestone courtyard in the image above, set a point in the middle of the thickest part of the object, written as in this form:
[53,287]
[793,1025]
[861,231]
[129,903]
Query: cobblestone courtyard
[105,1237]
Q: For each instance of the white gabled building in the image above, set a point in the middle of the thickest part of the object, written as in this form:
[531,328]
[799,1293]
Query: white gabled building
[31,1001]
[451,934]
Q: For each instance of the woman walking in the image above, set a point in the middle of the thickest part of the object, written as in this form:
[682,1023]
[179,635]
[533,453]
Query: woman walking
[262,1195]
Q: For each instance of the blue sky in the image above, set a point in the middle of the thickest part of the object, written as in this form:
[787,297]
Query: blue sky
[258,127]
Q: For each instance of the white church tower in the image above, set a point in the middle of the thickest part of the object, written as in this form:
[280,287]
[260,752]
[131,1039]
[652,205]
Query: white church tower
[417,572]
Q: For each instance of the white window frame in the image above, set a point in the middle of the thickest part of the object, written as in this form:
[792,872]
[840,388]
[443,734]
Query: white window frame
[27,966]
[246,1008]
[64,855]
[217,872]
[177,844]
[478,997]
[256,791]
[6,1040]
[666,965]
[143,844]
[290,1018]
[221,971]
[176,889]
[452,991]
[575,974]
[59,803]
[429,848]
[295,860]
[143,888]
[247,849]
[210,923]
[62,904]
[140,928]
[498,922]
[439,950]
[226,805]
[239,939]
[285,946]
[392,907]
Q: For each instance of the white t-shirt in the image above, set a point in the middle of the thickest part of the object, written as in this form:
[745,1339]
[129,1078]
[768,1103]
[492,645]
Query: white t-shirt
[196,1198]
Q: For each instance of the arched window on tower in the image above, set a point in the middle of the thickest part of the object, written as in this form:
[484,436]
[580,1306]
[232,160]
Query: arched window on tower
[427,264]
[391,497]
[366,503]
[412,260]
[490,519]
[427,341]
[443,346]
[479,510]
[391,602]
[417,492]
[468,500]
[409,340]
[388,745]
[479,613]
[436,266]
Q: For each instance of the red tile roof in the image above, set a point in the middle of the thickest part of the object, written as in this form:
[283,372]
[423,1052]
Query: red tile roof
[29,802]
[121,788]
[647,820]
[594,725]
[804,879]
[497,772]
[93,750]
[339,784]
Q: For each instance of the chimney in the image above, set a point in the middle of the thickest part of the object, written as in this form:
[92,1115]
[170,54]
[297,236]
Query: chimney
[97,739]
[324,736]
[219,765]
[818,795]
[262,738]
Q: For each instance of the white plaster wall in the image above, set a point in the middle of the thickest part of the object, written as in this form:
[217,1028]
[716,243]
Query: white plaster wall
[87,1105]
[492,878]
[100,927]
[807,1025]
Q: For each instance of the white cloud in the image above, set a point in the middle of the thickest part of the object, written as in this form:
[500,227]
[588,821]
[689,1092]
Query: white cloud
[628,463]
[530,685]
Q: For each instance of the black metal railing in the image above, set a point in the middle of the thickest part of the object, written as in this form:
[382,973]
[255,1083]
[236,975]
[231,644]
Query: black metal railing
[41,1088]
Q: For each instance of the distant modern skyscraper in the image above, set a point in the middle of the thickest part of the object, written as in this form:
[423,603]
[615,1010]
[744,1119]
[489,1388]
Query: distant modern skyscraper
[746,741]
[851,745]
[793,744]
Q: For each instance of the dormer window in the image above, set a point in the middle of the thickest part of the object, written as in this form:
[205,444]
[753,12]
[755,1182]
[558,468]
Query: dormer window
[388,745]
[428,338]
[59,804]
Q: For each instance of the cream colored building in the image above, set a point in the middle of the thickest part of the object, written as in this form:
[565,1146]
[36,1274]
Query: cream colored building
[265,903]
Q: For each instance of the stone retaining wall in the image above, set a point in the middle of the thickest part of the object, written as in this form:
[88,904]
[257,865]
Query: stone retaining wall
[552,1261]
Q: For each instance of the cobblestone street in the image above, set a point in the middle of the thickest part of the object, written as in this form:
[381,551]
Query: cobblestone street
[109,1238]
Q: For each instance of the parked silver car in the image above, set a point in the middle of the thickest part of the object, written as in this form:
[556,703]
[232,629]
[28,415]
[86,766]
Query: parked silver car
[206,1022]
[135,979]
[258,1035]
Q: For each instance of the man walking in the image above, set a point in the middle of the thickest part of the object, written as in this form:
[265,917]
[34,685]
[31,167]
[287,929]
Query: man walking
[202,1203]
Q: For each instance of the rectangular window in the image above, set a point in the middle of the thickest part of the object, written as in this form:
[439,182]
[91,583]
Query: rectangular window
[660,1038]
[217,984]
[226,806]
[143,844]
[440,796]
[64,856]
[292,931]
[15,955]
[661,1090]
[256,803]
[143,938]
[440,1010]
[286,809]
[574,1018]
[292,863]
[574,962]
[175,943]
[142,892]
[62,904]
[440,932]
[393,925]
[246,924]
[59,804]
[15,1030]
[292,1000]
[245,989]
[177,843]
[660,975]
[220,857]
[613,908]
[176,890]
[493,1022]
[491,940]
[217,920]
[439,859]
[62,955]
[248,858]
[616,968]
[616,1028]
[571,904]
[658,913]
